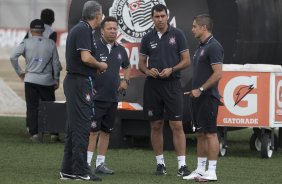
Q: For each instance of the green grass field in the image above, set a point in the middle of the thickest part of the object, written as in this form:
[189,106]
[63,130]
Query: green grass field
[22,162]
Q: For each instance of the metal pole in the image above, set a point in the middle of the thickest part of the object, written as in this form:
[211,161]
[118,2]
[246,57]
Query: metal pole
[280,137]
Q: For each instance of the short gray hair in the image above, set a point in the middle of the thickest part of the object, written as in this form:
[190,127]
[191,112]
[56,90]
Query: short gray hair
[204,19]
[90,9]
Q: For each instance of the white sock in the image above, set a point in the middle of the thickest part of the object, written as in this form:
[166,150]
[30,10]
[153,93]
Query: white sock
[181,161]
[160,159]
[89,157]
[202,161]
[100,159]
[212,165]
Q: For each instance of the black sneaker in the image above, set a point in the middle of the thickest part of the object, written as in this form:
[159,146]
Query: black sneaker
[183,171]
[65,176]
[88,177]
[161,170]
[103,169]
[54,138]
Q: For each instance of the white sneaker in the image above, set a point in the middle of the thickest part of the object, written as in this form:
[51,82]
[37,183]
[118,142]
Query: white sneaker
[207,176]
[193,175]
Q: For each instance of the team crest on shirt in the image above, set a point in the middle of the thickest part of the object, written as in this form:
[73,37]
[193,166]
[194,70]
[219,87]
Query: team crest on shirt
[87,97]
[119,56]
[172,41]
[93,124]
[202,52]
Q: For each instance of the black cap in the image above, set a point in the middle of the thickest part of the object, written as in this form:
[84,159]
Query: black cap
[37,24]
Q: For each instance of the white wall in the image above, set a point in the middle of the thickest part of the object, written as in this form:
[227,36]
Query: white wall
[19,13]
[16,15]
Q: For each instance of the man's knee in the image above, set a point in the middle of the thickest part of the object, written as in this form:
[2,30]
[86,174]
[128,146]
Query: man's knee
[211,136]
[157,126]
[104,134]
[176,126]
[201,136]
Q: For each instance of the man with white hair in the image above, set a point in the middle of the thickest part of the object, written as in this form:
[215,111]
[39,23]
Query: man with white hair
[78,88]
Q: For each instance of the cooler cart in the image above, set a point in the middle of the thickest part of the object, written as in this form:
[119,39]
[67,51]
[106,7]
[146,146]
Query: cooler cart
[252,97]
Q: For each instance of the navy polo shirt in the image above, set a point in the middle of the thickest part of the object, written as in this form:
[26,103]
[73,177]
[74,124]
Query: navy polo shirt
[106,84]
[209,52]
[79,38]
[164,52]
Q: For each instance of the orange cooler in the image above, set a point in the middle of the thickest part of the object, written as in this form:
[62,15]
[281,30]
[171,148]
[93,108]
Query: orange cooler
[252,96]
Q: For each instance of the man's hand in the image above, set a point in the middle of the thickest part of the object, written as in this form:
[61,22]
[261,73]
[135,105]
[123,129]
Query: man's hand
[153,72]
[102,67]
[195,93]
[57,85]
[122,85]
[165,73]
[22,75]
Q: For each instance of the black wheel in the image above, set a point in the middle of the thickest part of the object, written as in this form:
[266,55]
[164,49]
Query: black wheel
[266,151]
[222,147]
[255,143]
[276,142]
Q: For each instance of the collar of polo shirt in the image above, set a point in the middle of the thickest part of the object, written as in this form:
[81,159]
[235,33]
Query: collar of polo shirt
[105,43]
[206,41]
[86,23]
[168,29]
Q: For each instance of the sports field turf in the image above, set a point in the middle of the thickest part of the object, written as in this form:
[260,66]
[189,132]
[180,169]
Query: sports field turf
[22,162]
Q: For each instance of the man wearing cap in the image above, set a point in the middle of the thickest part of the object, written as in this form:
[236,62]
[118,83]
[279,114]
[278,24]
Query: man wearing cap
[41,75]
[47,16]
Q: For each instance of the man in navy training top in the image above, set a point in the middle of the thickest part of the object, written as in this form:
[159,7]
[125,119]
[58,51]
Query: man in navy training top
[168,53]
[207,66]
[78,89]
[107,87]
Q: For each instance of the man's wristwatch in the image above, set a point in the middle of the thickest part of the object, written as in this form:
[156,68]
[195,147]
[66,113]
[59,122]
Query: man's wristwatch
[172,69]
[201,89]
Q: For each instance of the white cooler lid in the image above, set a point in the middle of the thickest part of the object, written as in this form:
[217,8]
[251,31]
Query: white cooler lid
[232,67]
[262,68]
[252,68]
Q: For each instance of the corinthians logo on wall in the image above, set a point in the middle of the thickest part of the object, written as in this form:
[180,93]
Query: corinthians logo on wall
[134,17]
